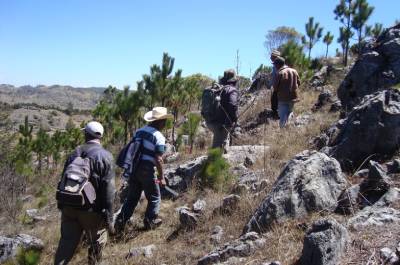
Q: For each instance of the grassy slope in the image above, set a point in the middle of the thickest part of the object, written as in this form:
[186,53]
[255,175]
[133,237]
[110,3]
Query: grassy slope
[284,242]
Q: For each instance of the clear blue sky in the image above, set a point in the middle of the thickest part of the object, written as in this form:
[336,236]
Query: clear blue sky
[103,42]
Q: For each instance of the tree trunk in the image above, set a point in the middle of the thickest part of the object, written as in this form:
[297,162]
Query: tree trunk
[326,55]
[126,133]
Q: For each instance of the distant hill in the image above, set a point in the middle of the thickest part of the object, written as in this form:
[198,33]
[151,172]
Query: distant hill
[52,96]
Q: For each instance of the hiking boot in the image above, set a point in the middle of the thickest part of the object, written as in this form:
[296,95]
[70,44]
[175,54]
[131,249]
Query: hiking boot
[152,224]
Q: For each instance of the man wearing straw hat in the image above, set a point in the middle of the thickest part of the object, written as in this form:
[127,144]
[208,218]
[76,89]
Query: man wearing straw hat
[145,179]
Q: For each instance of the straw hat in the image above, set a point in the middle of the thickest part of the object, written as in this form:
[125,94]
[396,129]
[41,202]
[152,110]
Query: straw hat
[158,113]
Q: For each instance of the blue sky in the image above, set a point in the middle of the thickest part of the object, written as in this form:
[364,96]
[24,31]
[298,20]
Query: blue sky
[101,43]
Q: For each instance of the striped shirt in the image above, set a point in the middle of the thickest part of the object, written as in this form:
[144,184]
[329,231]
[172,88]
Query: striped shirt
[153,141]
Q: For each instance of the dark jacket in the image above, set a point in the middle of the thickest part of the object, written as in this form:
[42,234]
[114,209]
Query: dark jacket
[229,104]
[286,84]
[102,173]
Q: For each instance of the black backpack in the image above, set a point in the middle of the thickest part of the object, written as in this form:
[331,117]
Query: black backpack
[75,188]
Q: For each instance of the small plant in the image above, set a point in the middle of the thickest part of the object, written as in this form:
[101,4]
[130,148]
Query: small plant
[215,170]
[28,257]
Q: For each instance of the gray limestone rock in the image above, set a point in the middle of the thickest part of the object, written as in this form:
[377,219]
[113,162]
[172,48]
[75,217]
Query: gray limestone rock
[180,179]
[217,234]
[310,182]
[9,246]
[372,128]
[376,69]
[245,246]
[374,216]
[146,251]
[325,243]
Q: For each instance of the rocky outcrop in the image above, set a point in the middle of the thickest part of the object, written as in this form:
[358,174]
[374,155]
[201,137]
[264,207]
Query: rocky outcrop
[374,216]
[377,68]
[372,128]
[368,192]
[229,204]
[9,246]
[245,154]
[180,179]
[310,182]
[245,246]
[216,235]
[324,98]
[324,243]
[146,251]
[319,78]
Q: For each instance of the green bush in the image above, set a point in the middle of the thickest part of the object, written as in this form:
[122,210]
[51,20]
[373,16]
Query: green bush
[215,172]
[28,257]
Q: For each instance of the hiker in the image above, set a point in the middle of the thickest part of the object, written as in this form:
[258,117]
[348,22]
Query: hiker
[144,177]
[223,117]
[274,98]
[92,211]
[286,84]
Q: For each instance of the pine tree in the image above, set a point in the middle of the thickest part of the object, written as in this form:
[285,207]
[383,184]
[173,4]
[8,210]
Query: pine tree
[343,39]
[190,128]
[23,156]
[328,38]
[377,30]
[314,34]
[344,12]
[362,12]
[41,146]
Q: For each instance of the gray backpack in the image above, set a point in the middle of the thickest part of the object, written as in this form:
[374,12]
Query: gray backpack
[75,188]
[211,103]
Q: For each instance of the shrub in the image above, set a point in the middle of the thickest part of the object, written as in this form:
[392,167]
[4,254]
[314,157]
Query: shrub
[215,173]
[28,257]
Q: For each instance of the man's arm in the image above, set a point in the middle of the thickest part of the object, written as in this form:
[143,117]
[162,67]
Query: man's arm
[160,170]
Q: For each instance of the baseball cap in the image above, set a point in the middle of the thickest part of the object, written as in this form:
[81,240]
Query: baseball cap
[94,128]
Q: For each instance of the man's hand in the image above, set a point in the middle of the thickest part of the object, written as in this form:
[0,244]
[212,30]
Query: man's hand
[161,182]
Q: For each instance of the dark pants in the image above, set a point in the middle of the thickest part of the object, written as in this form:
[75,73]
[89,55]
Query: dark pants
[144,180]
[73,223]
[274,103]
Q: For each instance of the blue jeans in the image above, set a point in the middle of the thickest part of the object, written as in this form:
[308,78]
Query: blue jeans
[285,110]
[144,180]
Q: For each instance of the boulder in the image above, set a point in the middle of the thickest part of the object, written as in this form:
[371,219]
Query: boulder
[374,216]
[216,235]
[187,218]
[181,178]
[9,246]
[319,78]
[245,246]
[35,216]
[146,251]
[229,204]
[310,182]
[325,243]
[372,128]
[239,155]
[324,98]
[199,206]
[303,120]
[388,256]
[376,187]
[376,69]
[336,106]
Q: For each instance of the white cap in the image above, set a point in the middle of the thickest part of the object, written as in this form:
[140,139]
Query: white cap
[95,129]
